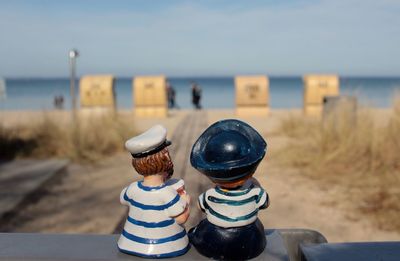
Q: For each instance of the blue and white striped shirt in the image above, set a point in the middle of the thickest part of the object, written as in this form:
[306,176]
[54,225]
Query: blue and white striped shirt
[233,208]
[151,230]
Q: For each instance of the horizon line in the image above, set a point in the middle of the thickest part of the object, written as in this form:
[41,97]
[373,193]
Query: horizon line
[203,76]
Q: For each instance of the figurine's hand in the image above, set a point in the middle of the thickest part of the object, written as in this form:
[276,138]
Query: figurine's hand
[184,216]
[186,197]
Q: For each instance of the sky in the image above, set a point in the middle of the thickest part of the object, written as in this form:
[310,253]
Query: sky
[200,38]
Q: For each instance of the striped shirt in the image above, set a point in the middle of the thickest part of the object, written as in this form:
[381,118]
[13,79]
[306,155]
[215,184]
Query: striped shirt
[150,229]
[233,208]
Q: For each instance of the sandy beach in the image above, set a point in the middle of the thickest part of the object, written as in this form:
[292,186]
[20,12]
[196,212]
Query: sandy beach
[86,199]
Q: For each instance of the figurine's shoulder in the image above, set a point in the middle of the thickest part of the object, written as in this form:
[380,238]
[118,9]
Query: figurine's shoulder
[249,188]
[131,188]
[252,183]
[156,195]
[213,190]
[175,183]
[138,187]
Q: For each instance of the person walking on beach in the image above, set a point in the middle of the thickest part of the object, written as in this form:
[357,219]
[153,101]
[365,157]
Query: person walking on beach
[196,95]
[171,94]
[59,102]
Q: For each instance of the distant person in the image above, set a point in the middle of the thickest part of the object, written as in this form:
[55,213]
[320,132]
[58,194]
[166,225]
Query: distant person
[55,102]
[171,95]
[58,102]
[61,102]
[196,96]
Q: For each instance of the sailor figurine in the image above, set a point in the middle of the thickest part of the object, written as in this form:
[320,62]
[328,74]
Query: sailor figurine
[228,153]
[157,207]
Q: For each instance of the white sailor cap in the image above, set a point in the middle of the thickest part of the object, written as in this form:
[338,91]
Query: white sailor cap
[149,142]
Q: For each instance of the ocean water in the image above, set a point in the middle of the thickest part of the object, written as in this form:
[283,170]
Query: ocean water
[218,92]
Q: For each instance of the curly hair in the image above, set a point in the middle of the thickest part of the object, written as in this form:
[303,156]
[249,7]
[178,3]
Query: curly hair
[155,163]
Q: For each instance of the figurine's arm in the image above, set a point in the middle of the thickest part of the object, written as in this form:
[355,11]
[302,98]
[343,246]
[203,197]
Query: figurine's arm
[121,197]
[201,202]
[182,218]
[179,206]
[263,199]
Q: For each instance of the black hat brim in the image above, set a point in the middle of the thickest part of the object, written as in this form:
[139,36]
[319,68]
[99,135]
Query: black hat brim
[166,143]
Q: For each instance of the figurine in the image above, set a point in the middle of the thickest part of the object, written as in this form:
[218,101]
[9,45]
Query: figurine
[158,206]
[228,153]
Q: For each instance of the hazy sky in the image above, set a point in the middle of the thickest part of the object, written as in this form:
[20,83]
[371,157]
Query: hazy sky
[179,38]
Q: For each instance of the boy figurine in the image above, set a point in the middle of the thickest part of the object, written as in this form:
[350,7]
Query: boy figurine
[157,210]
[228,153]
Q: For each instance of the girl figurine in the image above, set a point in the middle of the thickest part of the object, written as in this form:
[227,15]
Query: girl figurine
[228,153]
[157,206]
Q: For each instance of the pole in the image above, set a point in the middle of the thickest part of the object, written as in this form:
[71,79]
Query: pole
[73,54]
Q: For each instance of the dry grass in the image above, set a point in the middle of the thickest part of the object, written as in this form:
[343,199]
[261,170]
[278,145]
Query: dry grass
[88,139]
[355,152]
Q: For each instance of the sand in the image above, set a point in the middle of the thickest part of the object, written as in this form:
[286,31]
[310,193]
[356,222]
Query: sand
[86,200]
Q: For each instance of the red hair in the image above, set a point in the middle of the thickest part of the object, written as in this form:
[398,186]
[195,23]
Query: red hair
[153,164]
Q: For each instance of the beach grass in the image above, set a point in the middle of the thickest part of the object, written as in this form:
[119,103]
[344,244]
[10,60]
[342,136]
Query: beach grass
[87,139]
[354,151]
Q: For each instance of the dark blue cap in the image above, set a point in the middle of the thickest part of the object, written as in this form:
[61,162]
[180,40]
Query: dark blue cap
[228,150]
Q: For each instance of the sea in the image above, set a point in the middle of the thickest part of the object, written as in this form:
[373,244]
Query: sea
[217,92]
